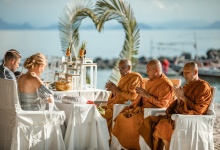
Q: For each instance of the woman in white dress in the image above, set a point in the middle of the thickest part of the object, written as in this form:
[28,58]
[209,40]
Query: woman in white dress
[33,94]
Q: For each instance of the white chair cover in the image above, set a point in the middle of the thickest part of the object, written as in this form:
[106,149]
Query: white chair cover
[194,132]
[150,112]
[9,97]
[27,129]
[38,130]
[86,129]
[8,105]
[115,145]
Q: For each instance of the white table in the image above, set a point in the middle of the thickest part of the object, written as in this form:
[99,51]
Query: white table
[89,94]
[86,128]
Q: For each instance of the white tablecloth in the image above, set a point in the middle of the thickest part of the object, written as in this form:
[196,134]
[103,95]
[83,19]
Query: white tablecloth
[36,130]
[89,94]
[86,128]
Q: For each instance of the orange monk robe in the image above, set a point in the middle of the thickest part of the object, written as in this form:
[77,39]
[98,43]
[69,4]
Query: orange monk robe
[161,91]
[127,85]
[155,129]
[129,120]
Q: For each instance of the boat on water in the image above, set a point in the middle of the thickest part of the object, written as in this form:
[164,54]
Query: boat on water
[207,71]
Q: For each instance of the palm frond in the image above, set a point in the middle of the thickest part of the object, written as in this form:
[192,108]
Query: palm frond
[70,20]
[122,12]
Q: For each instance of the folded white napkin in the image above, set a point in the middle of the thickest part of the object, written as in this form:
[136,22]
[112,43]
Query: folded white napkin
[74,99]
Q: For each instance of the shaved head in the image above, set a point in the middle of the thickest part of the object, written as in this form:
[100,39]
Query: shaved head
[192,64]
[190,71]
[155,63]
[154,69]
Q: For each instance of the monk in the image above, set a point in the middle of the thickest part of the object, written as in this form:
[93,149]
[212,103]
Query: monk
[193,99]
[158,93]
[124,91]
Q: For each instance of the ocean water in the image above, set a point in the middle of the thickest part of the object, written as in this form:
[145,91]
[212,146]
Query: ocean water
[108,44]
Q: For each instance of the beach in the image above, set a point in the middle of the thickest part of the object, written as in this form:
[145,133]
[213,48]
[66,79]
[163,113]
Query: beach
[216,130]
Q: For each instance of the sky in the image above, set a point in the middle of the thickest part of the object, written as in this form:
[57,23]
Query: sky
[46,12]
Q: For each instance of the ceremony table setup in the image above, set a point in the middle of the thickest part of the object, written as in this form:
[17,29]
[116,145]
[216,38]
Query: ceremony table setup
[75,84]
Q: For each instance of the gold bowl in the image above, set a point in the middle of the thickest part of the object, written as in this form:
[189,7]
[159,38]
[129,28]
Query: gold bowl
[63,86]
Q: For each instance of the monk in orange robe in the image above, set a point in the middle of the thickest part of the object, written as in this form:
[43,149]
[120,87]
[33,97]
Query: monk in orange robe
[194,99]
[158,93]
[124,91]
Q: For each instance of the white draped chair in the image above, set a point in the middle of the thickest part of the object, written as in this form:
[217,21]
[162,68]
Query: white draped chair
[156,112]
[192,132]
[115,145]
[24,130]
[86,129]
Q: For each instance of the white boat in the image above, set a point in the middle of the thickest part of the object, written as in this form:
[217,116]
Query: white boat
[208,71]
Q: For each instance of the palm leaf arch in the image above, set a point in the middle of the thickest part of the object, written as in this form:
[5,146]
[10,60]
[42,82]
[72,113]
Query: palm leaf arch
[70,21]
[122,12]
[75,11]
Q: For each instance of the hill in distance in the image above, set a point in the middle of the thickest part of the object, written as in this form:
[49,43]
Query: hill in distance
[169,25]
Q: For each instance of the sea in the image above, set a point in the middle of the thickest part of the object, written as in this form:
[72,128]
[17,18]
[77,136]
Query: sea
[109,43]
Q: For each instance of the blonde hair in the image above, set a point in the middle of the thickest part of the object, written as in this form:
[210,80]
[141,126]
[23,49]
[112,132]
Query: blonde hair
[35,60]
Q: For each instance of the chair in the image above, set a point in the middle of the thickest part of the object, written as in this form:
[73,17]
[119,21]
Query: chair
[86,129]
[27,129]
[117,108]
[147,112]
[176,82]
[156,112]
[194,132]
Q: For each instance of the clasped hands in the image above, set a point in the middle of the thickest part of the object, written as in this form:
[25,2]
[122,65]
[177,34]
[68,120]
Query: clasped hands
[179,93]
[140,91]
[110,86]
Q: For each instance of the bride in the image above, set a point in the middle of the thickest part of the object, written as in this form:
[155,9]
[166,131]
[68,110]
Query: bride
[32,92]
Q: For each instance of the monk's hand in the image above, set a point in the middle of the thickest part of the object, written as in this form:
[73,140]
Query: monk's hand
[141,92]
[179,93]
[108,86]
[115,89]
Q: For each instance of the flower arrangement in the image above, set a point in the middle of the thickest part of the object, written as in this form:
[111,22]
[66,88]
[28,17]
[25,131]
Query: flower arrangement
[90,102]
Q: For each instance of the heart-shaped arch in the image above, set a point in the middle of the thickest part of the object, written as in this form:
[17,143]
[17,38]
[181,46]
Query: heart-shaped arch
[76,11]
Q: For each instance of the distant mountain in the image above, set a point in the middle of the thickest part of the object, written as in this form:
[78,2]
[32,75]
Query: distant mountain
[144,26]
[180,24]
[168,25]
[51,27]
[5,26]
[215,25]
